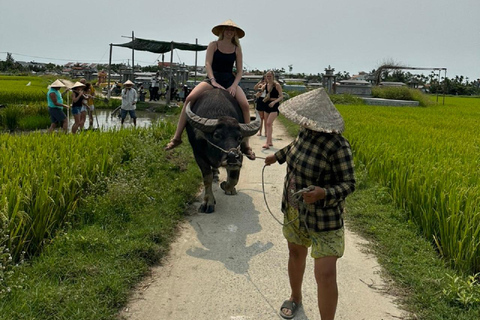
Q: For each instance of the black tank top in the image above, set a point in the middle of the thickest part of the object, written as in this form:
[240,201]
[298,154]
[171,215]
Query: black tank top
[274,94]
[223,62]
[78,103]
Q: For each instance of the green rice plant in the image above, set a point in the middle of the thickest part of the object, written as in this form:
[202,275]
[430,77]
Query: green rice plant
[11,116]
[346,99]
[34,122]
[429,160]
[402,93]
[42,177]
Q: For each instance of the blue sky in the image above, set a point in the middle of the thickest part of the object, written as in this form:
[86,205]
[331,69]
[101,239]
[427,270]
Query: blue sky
[310,35]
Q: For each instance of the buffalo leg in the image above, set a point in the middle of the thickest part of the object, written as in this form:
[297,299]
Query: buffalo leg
[232,180]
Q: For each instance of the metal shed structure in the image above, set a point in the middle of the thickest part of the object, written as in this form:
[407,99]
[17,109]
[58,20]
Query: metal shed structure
[378,73]
[155,46]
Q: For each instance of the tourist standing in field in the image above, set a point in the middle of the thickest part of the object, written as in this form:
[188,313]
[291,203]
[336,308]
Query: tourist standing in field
[129,102]
[55,107]
[320,175]
[260,105]
[78,96]
[90,92]
[273,96]
[221,56]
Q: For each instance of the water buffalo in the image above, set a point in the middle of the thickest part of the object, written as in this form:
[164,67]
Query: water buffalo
[217,133]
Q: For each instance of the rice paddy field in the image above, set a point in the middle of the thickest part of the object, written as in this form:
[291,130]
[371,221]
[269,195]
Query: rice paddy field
[62,201]
[429,158]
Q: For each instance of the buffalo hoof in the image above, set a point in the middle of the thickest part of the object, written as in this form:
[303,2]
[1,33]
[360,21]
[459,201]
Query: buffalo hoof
[205,208]
[230,192]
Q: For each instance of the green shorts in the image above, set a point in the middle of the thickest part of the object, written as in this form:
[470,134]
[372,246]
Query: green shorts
[324,244]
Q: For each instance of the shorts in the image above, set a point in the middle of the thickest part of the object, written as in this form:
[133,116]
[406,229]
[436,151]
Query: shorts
[324,244]
[84,109]
[76,110]
[56,115]
[260,105]
[123,114]
[269,109]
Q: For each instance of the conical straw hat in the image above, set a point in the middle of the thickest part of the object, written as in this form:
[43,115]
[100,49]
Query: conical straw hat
[315,111]
[78,84]
[128,82]
[57,84]
[229,23]
[67,83]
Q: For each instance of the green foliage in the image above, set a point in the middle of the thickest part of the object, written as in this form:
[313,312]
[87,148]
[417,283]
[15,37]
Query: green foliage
[123,223]
[401,93]
[465,292]
[11,116]
[34,122]
[346,99]
[439,189]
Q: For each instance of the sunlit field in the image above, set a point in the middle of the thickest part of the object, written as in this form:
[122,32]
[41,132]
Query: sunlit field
[430,159]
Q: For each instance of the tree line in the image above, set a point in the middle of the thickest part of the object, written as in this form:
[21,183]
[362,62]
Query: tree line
[459,85]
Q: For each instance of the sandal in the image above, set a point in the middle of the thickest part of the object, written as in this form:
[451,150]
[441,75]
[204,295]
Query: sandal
[290,305]
[173,144]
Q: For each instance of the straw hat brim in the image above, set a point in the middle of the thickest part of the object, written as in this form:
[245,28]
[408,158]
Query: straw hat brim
[217,30]
[78,85]
[57,84]
[315,111]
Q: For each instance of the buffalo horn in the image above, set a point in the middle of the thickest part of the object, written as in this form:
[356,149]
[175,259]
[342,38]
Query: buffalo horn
[202,124]
[249,129]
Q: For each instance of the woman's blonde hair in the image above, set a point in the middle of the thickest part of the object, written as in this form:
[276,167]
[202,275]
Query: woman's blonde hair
[235,39]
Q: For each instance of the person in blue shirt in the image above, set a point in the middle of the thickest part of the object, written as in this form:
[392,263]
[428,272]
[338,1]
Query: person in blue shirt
[55,107]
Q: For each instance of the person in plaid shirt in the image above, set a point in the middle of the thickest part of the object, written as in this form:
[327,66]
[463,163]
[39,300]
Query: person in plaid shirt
[320,175]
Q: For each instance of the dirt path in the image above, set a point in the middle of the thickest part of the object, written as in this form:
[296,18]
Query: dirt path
[232,264]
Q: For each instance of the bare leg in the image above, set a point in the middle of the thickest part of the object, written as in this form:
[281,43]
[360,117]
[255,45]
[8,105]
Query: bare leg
[83,118]
[296,269]
[326,277]
[52,127]
[243,102]
[269,118]
[262,118]
[76,125]
[65,125]
[182,120]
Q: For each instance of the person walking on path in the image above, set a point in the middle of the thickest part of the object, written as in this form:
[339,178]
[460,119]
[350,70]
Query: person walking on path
[273,96]
[220,58]
[55,106]
[260,105]
[320,175]
[129,102]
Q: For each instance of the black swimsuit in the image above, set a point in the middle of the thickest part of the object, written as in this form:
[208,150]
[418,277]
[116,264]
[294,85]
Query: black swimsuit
[222,67]
[274,94]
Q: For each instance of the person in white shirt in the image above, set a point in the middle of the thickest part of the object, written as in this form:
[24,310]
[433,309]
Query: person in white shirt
[129,102]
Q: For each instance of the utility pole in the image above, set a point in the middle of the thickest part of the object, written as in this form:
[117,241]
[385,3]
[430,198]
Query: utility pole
[133,54]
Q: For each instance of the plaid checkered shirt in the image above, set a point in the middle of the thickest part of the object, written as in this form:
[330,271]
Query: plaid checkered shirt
[324,160]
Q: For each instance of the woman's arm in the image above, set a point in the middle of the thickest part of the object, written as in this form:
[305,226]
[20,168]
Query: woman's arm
[77,95]
[239,66]
[280,95]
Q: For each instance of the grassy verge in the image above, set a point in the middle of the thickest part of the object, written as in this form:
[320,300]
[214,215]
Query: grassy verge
[123,226]
[424,285]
